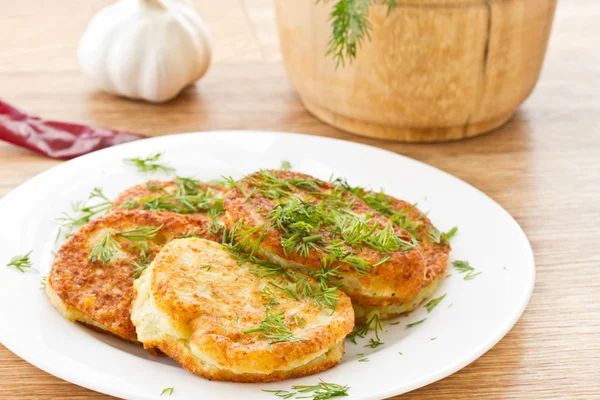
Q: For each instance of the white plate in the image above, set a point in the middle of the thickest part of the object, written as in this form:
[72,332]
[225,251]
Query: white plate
[473,317]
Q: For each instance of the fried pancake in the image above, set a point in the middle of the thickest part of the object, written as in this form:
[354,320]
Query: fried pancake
[193,200]
[92,276]
[297,221]
[207,309]
[434,247]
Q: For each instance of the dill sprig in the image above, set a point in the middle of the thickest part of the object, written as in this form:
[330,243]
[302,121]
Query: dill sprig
[138,268]
[168,391]
[105,249]
[82,212]
[140,233]
[273,328]
[416,323]
[285,165]
[321,391]
[433,303]
[374,343]
[435,236]
[21,263]
[350,25]
[149,164]
[362,330]
[130,205]
[43,282]
[464,267]
[449,235]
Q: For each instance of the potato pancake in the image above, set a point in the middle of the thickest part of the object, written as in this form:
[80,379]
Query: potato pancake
[92,276]
[300,222]
[228,316]
[194,200]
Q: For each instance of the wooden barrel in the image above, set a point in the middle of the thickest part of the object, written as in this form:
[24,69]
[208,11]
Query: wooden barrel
[433,70]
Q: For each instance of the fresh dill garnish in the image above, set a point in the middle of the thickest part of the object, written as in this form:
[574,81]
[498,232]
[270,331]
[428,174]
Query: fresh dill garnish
[285,165]
[189,235]
[374,343]
[267,293]
[149,164]
[349,26]
[168,391]
[153,187]
[105,249]
[464,267]
[43,282]
[130,205]
[21,263]
[363,359]
[416,323]
[82,212]
[449,235]
[300,222]
[433,338]
[382,261]
[273,328]
[206,267]
[321,391]
[434,234]
[394,323]
[298,321]
[229,182]
[400,353]
[140,233]
[138,269]
[362,330]
[215,225]
[434,302]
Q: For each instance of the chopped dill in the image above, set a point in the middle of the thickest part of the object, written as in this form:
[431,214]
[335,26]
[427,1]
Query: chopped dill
[374,343]
[285,165]
[434,302]
[149,164]
[416,323]
[449,235]
[362,330]
[321,391]
[138,269]
[21,263]
[140,233]
[82,212]
[104,250]
[130,205]
[273,328]
[464,267]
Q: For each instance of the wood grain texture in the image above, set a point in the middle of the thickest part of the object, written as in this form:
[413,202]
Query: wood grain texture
[543,166]
[431,71]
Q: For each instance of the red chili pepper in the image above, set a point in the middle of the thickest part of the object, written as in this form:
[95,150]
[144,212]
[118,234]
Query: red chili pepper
[56,139]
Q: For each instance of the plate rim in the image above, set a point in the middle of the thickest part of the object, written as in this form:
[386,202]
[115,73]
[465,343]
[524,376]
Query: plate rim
[490,342]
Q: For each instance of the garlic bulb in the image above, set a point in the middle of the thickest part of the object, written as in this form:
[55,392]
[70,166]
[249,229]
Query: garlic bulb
[145,49]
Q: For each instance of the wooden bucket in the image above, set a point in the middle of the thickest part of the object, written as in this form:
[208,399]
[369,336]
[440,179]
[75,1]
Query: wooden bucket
[433,70]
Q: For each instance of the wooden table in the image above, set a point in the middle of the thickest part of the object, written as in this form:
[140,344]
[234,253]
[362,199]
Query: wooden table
[543,167]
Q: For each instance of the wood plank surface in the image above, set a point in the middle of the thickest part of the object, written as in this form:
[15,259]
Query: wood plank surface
[543,166]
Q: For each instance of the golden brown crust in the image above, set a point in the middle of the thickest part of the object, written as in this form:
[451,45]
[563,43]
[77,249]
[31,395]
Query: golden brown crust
[435,254]
[102,293]
[190,363]
[395,281]
[204,312]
